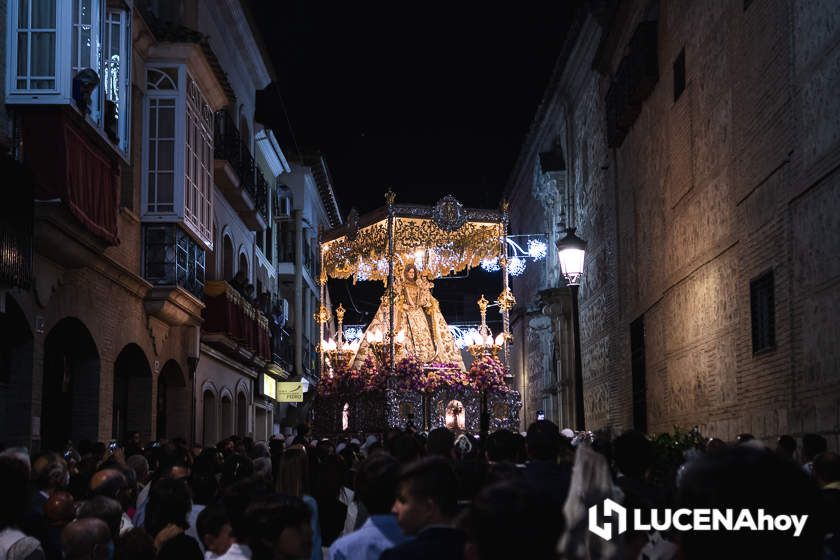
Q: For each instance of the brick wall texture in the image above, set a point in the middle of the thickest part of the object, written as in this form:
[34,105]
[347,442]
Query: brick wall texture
[737,176]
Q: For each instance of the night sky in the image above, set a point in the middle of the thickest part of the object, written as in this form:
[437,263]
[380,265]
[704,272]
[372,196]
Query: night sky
[426,98]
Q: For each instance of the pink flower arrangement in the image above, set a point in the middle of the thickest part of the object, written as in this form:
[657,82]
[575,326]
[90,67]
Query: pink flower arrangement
[485,373]
[488,373]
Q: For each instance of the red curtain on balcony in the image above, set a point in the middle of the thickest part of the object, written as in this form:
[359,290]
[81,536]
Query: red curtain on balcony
[68,166]
[227,316]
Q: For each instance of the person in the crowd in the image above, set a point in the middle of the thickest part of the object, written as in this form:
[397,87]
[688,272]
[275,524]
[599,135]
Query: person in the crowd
[112,483]
[375,487]
[786,447]
[14,543]
[166,520]
[440,442]
[87,539]
[744,438]
[278,529]
[745,478]
[503,510]
[204,489]
[812,445]
[827,475]
[542,470]
[59,510]
[50,474]
[426,505]
[713,445]
[213,528]
[236,467]
[633,456]
[132,444]
[500,447]
[293,479]
[405,448]
[326,472]
[135,544]
[20,454]
[263,469]
[140,465]
[106,509]
[236,499]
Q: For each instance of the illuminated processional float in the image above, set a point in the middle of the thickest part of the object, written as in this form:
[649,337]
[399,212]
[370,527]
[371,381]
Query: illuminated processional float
[406,370]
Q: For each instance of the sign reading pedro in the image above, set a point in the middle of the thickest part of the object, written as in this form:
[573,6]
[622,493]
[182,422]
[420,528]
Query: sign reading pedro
[289,391]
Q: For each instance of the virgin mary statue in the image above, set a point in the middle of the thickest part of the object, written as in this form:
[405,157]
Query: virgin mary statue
[417,314]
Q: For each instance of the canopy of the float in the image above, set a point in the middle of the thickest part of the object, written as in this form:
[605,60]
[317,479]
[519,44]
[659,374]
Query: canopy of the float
[440,240]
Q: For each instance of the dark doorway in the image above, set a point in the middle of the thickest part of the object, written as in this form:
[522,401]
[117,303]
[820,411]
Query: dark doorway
[70,406]
[132,407]
[210,421]
[15,375]
[637,359]
[227,416]
[173,403]
[241,415]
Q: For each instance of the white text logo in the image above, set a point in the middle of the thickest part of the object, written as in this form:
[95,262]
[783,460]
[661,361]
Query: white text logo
[690,520]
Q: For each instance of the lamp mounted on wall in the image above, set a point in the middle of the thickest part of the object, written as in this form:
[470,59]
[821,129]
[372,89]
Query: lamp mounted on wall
[571,251]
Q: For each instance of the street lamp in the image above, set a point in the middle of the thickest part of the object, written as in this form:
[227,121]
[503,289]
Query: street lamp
[570,252]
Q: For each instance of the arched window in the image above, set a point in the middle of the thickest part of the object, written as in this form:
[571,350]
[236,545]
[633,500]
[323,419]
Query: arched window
[210,421]
[227,259]
[243,264]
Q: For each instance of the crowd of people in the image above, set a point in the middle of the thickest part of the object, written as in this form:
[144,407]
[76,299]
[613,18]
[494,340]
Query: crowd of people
[406,495]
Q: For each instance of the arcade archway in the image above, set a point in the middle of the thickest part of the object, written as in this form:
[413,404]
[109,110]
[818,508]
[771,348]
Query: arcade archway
[70,405]
[15,374]
[173,402]
[132,401]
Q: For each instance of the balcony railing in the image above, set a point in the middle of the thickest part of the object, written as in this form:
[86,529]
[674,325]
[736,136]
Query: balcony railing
[231,316]
[283,348]
[228,146]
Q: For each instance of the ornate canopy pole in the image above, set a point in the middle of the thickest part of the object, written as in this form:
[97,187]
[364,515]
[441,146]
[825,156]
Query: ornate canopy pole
[389,199]
[323,314]
[506,300]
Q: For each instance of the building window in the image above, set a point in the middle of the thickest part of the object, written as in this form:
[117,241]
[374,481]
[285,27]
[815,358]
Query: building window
[172,258]
[679,74]
[33,44]
[763,313]
[198,204]
[178,183]
[116,77]
[160,188]
[85,43]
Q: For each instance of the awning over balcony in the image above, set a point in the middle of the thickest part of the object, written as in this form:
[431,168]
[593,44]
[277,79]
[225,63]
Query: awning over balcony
[66,165]
[228,313]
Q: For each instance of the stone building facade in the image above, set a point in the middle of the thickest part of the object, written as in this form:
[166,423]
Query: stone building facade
[699,145]
[139,183]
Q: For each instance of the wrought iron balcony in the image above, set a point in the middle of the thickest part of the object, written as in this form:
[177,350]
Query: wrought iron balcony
[237,175]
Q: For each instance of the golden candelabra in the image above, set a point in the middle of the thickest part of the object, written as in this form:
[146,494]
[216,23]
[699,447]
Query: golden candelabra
[338,352]
[378,345]
[482,343]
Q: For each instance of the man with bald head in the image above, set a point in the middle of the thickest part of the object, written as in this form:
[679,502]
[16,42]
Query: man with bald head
[112,483]
[86,539]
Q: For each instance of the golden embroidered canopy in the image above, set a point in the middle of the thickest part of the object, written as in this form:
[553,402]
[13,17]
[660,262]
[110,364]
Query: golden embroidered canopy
[439,240]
